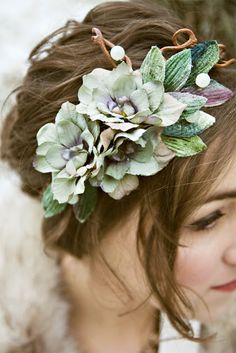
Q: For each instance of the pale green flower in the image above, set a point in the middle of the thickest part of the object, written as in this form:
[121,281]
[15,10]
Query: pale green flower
[122,100]
[136,153]
[68,150]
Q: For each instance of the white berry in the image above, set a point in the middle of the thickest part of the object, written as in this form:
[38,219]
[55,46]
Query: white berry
[117,53]
[203,80]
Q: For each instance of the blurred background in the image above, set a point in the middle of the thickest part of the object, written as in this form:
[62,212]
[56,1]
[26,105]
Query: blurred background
[25,22]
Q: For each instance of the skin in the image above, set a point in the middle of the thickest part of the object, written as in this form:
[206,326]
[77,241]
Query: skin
[209,256]
[207,259]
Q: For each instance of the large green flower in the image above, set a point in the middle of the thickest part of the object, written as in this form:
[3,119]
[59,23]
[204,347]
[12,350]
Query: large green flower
[134,153]
[122,100]
[68,149]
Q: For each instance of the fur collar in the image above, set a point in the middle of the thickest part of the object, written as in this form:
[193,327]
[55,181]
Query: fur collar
[33,312]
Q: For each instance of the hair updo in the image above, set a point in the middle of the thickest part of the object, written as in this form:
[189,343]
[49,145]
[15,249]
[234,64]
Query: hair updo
[57,65]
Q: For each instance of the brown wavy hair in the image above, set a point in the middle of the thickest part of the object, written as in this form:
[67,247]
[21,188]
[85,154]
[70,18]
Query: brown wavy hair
[54,76]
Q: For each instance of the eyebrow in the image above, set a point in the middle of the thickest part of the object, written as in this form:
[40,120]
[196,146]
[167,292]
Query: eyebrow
[222,196]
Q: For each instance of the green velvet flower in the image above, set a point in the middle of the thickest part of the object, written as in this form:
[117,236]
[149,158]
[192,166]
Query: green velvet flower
[137,153]
[121,99]
[67,149]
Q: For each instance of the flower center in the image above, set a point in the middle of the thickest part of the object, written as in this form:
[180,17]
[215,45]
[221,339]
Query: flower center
[122,106]
[126,151]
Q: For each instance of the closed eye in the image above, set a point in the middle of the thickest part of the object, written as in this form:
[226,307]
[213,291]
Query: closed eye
[208,222]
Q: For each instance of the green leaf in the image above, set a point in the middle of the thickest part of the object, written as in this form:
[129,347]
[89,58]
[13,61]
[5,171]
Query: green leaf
[178,69]
[51,207]
[193,102]
[153,66]
[204,56]
[201,119]
[87,203]
[184,147]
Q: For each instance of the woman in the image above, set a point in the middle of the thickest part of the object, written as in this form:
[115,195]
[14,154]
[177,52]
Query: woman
[139,211]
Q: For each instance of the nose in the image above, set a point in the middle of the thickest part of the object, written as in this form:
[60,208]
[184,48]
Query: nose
[230,255]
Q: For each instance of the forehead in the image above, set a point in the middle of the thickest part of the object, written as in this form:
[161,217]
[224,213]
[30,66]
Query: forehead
[225,183]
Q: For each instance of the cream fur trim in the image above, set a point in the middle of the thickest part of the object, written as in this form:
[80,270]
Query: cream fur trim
[31,308]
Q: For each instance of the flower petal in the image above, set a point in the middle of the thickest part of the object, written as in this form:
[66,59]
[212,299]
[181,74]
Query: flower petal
[73,200]
[133,136]
[106,119]
[88,138]
[140,99]
[121,70]
[150,167]
[170,110]
[106,137]
[84,95]
[124,86]
[96,78]
[108,184]
[41,165]
[63,189]
[54,157]
[80,187]
[68,133]
[67,112]
[47,133]
[125,186]
[43,148]
[143,154]
[155,93]
[94,128]
[122,126]
[117,170]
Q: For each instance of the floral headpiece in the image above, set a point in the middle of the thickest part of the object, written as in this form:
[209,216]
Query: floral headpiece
[129,123]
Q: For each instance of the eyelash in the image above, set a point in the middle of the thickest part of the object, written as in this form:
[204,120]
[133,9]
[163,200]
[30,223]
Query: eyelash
[207,223]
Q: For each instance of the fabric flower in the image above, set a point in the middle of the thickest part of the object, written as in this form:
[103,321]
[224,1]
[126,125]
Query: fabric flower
[67,149]
[122,100]
[137,153]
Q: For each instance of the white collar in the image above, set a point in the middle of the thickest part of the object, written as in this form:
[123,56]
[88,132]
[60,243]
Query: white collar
[180,345]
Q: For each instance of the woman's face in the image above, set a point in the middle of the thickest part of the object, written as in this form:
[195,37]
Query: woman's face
[207,263]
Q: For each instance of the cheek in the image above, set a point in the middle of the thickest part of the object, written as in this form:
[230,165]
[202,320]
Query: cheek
[194,268]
